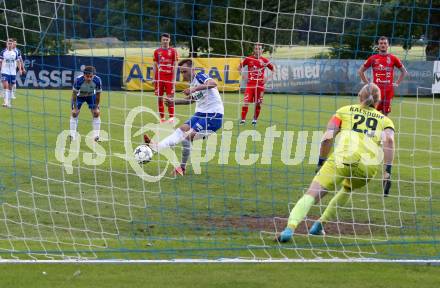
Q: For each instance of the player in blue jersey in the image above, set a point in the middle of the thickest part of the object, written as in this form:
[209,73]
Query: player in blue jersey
[20,64]
[86,88]
[207,119]
[9,60]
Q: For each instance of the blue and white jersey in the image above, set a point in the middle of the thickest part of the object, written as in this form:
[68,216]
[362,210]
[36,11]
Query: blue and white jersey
[20,57]
[208,100]
[9,61]
[85,89]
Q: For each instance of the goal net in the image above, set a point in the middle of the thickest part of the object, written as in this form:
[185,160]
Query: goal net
[90,200]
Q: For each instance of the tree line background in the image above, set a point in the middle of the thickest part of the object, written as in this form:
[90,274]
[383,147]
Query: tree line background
[225,27]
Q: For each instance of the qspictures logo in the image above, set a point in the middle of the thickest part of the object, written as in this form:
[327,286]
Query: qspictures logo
[227,146]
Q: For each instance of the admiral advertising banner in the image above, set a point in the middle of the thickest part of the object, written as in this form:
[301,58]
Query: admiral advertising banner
[60,71]
[138,73]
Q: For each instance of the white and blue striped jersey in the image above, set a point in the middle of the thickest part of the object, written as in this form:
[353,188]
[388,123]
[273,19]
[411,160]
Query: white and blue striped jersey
[20,57]
[85,89]
[9,61]
[208,100]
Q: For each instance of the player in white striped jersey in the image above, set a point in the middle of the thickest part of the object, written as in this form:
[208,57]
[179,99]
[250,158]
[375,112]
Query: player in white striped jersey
[20,64]
[207,119]
[9,63]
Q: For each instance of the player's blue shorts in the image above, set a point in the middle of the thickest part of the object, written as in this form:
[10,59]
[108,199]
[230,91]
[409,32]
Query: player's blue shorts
[205,123]
[11,79]
[90,100]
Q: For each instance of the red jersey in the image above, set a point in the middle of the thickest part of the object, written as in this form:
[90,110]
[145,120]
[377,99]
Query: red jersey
[383,68]
[256,67]
[165,60]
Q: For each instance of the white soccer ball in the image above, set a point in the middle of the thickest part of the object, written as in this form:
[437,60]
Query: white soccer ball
[143,154]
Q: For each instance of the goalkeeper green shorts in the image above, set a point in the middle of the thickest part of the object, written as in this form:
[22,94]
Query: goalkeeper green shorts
[352,176]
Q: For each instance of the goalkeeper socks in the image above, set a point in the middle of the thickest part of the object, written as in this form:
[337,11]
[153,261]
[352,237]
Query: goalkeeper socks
[339,200]
[244,111]
[257,111]
[161,108]
[96,124]
[186,151]
[300,211]
[73,126]
[178,136]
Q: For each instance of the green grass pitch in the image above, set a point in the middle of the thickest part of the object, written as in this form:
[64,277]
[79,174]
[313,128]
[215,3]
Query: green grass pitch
[107,211]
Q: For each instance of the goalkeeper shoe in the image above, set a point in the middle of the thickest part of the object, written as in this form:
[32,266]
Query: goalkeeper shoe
[286,235]
[254,123]
[317,229]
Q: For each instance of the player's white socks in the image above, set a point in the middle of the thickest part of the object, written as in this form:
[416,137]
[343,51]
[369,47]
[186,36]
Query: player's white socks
[6,101]
[14,88]
[171,140]
[186,151]
[96,123]
[73,126]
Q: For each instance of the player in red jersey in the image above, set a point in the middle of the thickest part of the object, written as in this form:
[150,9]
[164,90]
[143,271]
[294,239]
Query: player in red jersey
[256,65]
[165,68]
[383,65]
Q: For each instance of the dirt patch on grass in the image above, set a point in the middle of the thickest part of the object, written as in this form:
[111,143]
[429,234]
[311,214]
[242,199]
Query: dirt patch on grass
[276,224]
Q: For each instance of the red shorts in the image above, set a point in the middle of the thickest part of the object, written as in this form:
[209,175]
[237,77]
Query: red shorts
[164,86]
[254,94]
[387,95]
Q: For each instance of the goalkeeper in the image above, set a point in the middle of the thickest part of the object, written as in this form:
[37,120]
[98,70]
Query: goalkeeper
[365,140]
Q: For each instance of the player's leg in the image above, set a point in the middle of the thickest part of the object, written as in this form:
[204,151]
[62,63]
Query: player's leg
[7,87]
[357,177]
[186,152]
[14,89]
[5,90]
[169,87]
[259,94]
[328,177]
[248,98]
[74,117]
[159,91]
[389,95]
[96,114]
[12,82]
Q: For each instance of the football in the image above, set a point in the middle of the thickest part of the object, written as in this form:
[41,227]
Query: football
[143,154]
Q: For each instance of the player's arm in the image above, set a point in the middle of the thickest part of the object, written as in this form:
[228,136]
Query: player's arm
[209,84]
[403,71]
[388,151]
[333,128]
[176,67]
[185,101]
[20,66]
[155,67]
[98,90]
[75,91]
[74,96]
[403,74]
[361,73]
[362,70]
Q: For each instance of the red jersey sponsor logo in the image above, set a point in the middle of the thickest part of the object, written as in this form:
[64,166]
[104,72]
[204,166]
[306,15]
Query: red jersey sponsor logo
[383,67]
[165,60]
[256,68]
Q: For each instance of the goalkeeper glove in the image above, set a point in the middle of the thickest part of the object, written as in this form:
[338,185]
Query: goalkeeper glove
[320,164]
[387,181]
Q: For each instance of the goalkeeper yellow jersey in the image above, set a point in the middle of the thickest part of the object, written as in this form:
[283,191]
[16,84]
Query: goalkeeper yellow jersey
[360,135]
